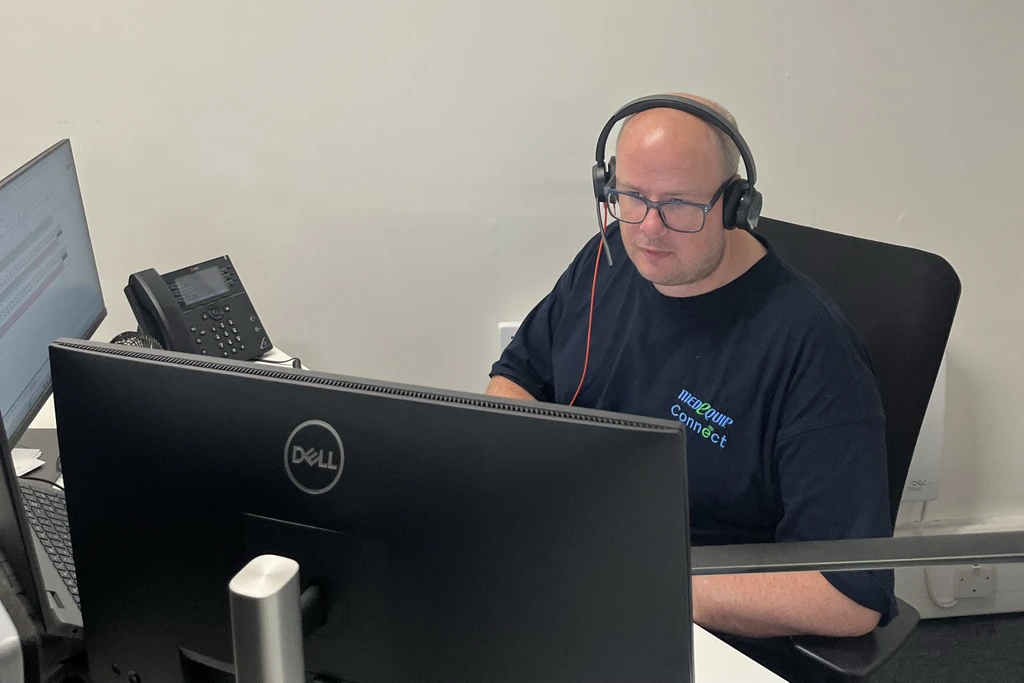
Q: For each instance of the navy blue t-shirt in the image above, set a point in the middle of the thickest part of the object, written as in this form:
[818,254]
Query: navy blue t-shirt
[784,423]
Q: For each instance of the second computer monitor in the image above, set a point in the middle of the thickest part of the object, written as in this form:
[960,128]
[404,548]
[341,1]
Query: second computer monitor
[49,286]
[455,538]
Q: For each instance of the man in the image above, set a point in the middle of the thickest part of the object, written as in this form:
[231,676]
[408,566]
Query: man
[785,430]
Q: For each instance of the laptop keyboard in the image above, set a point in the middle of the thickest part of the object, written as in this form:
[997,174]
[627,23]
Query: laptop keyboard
[48,516]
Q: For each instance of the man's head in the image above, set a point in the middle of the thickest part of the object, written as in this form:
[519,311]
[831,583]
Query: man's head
[665,154]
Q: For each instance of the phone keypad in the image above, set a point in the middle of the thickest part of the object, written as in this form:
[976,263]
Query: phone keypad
[230,337]
[227,326]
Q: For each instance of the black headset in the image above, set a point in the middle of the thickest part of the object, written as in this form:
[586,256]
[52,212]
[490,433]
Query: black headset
[741,202]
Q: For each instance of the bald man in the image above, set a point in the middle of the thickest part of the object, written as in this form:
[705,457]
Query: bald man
[709,326]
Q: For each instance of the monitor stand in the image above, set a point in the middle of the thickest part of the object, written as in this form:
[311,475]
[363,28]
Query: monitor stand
[266,621]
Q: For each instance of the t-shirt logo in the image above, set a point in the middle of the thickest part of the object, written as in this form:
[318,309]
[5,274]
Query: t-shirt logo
[701,417]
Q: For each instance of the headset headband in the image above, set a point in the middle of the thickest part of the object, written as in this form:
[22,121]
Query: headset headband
[698,109]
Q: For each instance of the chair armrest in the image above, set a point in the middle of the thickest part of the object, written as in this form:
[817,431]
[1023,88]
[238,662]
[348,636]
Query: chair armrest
[855,658]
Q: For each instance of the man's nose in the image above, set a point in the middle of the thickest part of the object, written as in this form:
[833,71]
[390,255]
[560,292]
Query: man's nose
[652,222]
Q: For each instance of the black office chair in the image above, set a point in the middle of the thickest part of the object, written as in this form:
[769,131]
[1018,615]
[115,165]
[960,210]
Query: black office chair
[902,302]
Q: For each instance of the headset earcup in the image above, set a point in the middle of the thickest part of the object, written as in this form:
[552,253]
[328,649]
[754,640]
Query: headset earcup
[600,178]
[754,201]
[604,177]
[611,176]
[732,201]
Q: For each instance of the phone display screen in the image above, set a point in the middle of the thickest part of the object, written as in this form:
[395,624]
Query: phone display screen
[201,285]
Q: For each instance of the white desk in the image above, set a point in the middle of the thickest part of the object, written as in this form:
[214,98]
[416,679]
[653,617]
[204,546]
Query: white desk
[713,660]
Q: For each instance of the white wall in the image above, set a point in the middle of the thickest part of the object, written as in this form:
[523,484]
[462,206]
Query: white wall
[393,178]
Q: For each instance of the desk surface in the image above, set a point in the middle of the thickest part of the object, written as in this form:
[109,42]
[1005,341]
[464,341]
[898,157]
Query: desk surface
[714,661]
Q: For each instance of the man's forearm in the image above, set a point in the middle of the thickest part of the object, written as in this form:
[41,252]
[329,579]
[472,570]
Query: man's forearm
[765,605]
[506,388]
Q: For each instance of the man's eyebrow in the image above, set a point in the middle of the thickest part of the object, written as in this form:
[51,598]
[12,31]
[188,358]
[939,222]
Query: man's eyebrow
[626,187]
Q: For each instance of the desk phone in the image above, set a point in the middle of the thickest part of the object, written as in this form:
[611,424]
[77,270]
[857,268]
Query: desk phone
[201,309]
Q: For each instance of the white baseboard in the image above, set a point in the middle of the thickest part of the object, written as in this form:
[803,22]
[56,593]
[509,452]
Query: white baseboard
[1008,594]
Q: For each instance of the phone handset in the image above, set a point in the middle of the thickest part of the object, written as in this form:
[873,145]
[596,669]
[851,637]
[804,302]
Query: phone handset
[156,310]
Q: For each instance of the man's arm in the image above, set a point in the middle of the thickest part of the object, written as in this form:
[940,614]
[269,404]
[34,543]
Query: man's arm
[767,605]
[760,605]
[506,388]
[525,370]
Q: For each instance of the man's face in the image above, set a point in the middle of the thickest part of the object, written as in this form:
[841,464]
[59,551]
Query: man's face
[670,155]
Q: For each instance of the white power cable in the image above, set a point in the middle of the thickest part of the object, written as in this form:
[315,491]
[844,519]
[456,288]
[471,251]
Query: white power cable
[944,604]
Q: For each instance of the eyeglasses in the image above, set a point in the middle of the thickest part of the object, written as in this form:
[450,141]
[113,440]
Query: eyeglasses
[677,215]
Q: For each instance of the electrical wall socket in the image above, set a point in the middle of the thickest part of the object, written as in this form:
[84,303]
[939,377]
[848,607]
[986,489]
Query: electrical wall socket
[505,333]
[975,581]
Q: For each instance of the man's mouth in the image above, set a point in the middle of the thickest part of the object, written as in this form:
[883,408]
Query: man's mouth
[654,254]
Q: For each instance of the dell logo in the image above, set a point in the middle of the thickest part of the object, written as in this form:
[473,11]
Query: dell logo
[314,457]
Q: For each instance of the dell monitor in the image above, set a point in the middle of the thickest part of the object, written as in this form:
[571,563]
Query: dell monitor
[49,288]
[455,537]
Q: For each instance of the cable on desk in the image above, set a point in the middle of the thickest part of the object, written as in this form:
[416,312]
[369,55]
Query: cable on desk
[45,481]
[296,362]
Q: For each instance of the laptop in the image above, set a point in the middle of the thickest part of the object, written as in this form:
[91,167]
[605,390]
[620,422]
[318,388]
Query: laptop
[37,545]
[49,288]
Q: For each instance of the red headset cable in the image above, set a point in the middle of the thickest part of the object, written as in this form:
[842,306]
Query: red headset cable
[590,318]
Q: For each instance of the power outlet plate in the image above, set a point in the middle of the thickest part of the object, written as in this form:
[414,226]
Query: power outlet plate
[505,333]
[975,581]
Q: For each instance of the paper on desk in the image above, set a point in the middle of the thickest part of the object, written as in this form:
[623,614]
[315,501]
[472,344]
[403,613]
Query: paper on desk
[25,466]
[26,460]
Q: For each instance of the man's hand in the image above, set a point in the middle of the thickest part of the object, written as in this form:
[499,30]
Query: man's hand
[766,605]
[506,388]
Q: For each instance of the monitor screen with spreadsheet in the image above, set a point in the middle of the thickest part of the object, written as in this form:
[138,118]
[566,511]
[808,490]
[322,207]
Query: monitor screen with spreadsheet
[49,285]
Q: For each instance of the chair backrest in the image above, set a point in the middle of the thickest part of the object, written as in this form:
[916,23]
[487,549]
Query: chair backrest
[901,301]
